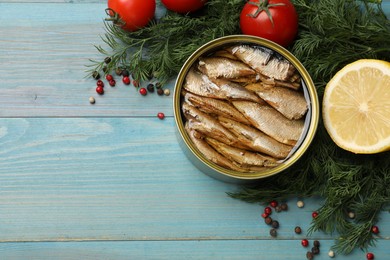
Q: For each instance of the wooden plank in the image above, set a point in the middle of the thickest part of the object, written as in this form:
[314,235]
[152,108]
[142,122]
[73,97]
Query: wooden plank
[109,179]
[172,250]
[42,65]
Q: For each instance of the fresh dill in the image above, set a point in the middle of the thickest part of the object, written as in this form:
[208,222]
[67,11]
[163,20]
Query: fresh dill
[161,48]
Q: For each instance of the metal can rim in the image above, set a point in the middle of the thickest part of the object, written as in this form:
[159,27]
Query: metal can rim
[310,87]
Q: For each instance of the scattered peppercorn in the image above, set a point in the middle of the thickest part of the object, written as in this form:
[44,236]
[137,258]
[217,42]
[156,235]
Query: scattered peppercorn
[112,83]
[300,204]
[275,224]
[96,75]
[158,85]
[160,91]
[109,77]
[167,92]
[100,90]
[118,71]
[278,209]
[315,250]
[161,115]
[314,214]
[268,220]
[273,232]
[92,100]
[126,80]
[150,87]
[305,242]
[298,230]
[284,206]
[125,73]
[268,210]
[331,254]
[143,91]
[370,256]
[100,83]
[351,215]
[309,255]
[375,229]
[107,60]
[316,243]
[105,69]
[273,203]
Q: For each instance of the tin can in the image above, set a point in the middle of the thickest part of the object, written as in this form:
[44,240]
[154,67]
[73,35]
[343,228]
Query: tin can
[228,175]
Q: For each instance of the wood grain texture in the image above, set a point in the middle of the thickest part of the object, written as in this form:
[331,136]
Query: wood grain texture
[109,181]
[43,60]
[173,250]
[113,179]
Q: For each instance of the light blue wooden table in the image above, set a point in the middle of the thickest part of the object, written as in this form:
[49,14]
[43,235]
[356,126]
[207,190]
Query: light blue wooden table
[109,181]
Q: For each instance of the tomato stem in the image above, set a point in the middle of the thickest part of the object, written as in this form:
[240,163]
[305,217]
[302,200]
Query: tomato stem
[264,5]
[114,17]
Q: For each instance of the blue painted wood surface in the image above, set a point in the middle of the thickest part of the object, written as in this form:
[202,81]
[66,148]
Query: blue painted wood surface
[109,181]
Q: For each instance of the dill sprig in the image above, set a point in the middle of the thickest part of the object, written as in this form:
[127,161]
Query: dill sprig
[332,33]
[161,48]
[335,33]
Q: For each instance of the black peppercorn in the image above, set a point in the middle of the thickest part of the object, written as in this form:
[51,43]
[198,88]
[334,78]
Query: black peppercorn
[96,75]
[316,243]
[315,250]
[268,220]
[150,87]
[160,91]
[105,69]
[275,224]
[273,232]
[125,73]
[284,206]
[278,209]
[107,60]
[118,71]
[158,85]
[309,255]
[298,230]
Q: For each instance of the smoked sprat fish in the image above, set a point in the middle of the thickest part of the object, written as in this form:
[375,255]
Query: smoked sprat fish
[256,140]
[292,104]
[208,125]
[209,152]
[201,85]
[243,157]
[263,61]
[244,108]
[220,67]
[215,107]
[271,122]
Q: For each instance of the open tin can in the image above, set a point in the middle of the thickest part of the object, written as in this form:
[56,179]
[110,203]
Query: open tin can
[309,120]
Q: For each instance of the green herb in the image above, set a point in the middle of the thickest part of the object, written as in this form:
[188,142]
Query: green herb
[332,33]
[161,48]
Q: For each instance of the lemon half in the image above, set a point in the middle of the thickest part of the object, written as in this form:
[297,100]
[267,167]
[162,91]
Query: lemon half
[356,107]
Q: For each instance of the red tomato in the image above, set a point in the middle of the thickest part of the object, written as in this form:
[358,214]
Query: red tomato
[283,27]
[134,13]
[183,6]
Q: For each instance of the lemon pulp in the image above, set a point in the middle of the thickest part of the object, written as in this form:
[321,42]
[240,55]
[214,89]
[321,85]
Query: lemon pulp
[356,107]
